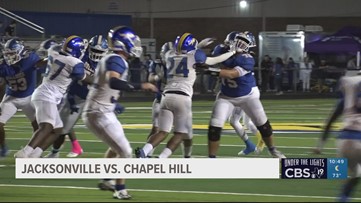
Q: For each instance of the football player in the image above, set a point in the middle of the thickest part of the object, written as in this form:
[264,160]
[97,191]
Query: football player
[176,104]
[349,139]
[157,75]
[109,79]
[64,66]
[19,69]
[239,90]
[74,101]
[236,114]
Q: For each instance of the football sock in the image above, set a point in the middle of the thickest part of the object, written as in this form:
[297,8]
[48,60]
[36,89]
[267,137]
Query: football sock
[119,187]
[76,146]
[147,148]
[36,153]
[27,149]
[151,153]
[165,153]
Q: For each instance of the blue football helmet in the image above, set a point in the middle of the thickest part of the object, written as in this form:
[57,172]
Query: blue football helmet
[230,37]
[13,51]
[122,38]
[98,47]
[251,38]
[44,46]
[242,42]
[185,43]
[74,46]
[165,48]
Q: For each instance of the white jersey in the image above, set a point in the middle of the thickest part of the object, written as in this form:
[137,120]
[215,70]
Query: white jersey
[101,97]
[351,89]
[181,73]
[61,69]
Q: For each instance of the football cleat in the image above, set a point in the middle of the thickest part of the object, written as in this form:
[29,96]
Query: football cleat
[21,154]
[106,185]
[121,194]
[74,153]
[250,147]
[276,154]
[139,153]
[52,155]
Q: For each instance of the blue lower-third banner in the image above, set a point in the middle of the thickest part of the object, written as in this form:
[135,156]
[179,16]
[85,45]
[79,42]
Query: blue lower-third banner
[314,168]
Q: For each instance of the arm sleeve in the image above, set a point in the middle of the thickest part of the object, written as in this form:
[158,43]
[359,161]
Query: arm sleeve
[218,59]
[118,84]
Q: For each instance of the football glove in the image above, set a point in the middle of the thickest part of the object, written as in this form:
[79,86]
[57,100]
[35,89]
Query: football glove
[205,42]
[119,109]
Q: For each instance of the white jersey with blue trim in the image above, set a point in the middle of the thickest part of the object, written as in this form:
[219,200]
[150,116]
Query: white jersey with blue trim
[101,97]
[351,92]
[181,72]
[60,72]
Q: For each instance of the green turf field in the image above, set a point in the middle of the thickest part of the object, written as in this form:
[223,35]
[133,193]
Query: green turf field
[284,115]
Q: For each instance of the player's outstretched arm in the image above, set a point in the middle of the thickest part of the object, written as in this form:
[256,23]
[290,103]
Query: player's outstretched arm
[116,83]
[222,57]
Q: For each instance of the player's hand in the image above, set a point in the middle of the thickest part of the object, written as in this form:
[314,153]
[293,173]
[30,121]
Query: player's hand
[74,109]
[119,109]
[149,87]
[205,42]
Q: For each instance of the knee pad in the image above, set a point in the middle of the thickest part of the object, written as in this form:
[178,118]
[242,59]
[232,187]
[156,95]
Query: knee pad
[214,133]
[265,129]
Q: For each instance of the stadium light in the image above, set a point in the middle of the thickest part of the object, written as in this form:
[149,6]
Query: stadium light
[243,4]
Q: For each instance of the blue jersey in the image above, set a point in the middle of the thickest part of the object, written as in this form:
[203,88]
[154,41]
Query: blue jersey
[240,86]
[21,77]
[79,88]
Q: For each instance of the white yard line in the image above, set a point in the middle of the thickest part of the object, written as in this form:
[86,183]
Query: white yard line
[205,144]
[176,191]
